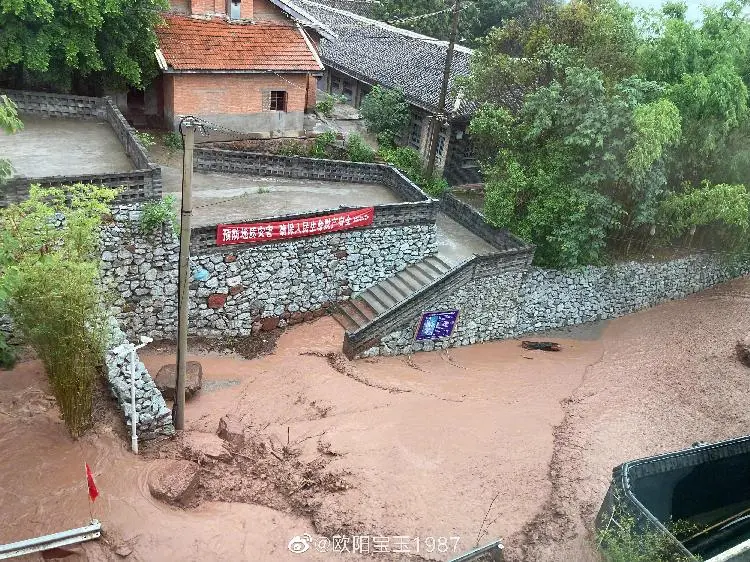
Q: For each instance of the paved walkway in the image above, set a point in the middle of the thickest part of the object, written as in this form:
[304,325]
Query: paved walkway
[457,243]
[55,147]
[221,198]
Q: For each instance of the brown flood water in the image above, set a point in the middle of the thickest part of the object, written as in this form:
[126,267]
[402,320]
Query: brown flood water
[428,442]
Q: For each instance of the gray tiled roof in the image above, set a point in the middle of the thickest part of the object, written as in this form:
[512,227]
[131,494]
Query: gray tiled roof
[378,53]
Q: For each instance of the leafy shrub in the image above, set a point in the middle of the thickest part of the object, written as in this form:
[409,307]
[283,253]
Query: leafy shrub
[292,148]
[409,162]
[173,141]
[7,354]
[724,207]
[156,213]
[386,114]
[326,105]
[623,541]
[358,150]
[146,139]
[322,144]
[49,276]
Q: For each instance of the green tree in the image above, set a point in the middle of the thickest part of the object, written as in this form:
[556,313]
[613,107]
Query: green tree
[620,132]
[58,42]
[9,124]
[477,18]
[49,282]
[386,113]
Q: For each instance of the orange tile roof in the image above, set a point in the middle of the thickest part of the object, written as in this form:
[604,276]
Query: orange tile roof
[218,45]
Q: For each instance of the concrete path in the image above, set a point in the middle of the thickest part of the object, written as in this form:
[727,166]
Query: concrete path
[457,243]
[54,147]
[221,198]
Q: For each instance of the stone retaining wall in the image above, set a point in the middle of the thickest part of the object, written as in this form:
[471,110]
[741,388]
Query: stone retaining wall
[153,416]
[249,287]
[552,299]
[511,303]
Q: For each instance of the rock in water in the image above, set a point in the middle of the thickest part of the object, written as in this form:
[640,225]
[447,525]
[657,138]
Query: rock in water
[166,380]
[174,482]
[232,431]
[198,446]
[743,350]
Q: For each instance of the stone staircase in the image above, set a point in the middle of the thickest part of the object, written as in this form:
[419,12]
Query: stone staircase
[368,305]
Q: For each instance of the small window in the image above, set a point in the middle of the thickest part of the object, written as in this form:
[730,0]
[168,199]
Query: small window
[415,135]
[441,145]
[278,100]
[234,9]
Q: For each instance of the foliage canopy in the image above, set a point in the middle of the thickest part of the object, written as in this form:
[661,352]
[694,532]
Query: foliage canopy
[630,129]
[59,42]
[386,113]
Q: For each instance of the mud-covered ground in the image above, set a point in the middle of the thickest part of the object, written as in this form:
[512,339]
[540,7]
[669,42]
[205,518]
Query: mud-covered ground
[483,442]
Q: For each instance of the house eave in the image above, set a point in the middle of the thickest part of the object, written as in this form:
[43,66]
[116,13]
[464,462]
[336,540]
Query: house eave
[241,71]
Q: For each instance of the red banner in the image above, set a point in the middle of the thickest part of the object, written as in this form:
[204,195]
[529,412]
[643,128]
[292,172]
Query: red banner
[286,230]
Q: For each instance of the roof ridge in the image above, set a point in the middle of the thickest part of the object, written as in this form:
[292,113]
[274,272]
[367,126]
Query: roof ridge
[386,26]
[221,19]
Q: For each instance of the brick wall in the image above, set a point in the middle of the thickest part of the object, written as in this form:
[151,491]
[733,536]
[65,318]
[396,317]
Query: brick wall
[208,6]
[207,94]
[263,10]
[179,6]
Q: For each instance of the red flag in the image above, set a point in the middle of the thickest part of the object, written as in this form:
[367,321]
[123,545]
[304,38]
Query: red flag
[93,492]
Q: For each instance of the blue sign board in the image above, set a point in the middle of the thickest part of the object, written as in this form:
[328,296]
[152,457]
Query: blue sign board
[436,325]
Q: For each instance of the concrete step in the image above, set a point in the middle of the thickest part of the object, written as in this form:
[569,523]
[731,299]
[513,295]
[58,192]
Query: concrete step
[376,300]
[381,297]
[343,318]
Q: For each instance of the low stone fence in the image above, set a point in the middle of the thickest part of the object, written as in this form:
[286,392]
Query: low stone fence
[137,185]
[257,164]
[252,286]
[497,304]
[57,105]
[468,217]
[130,142]
[154,418]
[422,213]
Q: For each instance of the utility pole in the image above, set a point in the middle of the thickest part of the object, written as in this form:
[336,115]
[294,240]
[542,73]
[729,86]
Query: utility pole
[187,128]
[439,118]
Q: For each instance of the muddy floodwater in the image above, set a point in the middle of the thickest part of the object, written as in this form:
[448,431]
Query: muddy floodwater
[483,442]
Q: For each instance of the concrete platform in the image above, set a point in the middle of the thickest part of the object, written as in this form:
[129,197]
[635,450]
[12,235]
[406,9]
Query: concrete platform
[221,198]
[53,147]
[457,243]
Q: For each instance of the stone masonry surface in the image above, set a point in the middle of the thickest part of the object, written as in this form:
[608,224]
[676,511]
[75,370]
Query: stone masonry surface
[247,288]
[515,303]
[154,418]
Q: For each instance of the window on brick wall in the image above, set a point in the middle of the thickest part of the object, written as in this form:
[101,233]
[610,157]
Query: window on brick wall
[278,100]
[415,134]
[233,9]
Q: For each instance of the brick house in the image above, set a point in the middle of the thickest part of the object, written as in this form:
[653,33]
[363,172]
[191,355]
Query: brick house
[247,65]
